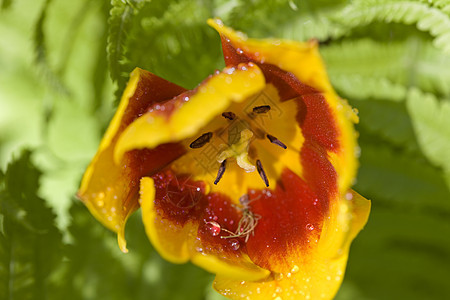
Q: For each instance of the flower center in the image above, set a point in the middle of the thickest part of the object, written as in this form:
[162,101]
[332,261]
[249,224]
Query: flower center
[240,136]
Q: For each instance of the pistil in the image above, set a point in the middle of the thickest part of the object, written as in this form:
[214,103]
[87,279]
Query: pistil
[239,151]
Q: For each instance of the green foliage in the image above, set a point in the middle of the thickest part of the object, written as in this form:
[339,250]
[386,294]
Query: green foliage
[41,52]
[119,23]
[412,62]
[389,58]
[6,4]
[426,18]
[30,244]
[432,126]
[162,40]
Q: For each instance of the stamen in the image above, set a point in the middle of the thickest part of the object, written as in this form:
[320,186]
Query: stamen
[220,172]
[261,109]
[261,172]
[229,115]
[276,141]
[201,141]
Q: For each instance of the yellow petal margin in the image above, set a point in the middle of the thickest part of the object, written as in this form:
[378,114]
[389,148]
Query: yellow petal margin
[192,112]
[318,277]
[110,190]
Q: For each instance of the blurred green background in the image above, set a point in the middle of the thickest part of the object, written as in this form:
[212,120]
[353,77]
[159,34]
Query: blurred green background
[63,65]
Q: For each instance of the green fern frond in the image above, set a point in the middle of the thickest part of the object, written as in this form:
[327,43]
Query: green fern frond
[182,50]
[432,71]
[387,121]
[244,14]
[318,25]
[367,58]
[299,20]
[431,122]
[30,243]
[368,88]
[411,63]
[40,49]
[405,179]
[119,22]
[428,19]
[443,5]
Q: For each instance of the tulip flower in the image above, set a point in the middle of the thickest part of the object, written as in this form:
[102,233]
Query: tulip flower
[247,176]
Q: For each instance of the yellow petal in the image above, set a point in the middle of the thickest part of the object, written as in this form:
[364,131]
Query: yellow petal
[109,190]
[192,112]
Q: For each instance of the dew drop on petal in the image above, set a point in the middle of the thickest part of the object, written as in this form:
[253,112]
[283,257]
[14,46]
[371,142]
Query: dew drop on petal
[235,244]
[278,276]
[295,269]
[310,226]
[349,196]
[213,228]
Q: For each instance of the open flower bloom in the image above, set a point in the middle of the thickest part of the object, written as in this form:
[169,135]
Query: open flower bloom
[248,175]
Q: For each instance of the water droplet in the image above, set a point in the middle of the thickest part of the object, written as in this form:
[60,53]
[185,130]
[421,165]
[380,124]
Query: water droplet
[349,196]
[316,201]
[279,276]
[258,290]
[295,269]
[239,51]
[310,227]
[242,282]
[213,228]
[278,290]
[100,203]
[234,244]
[229,71]
[288,275]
